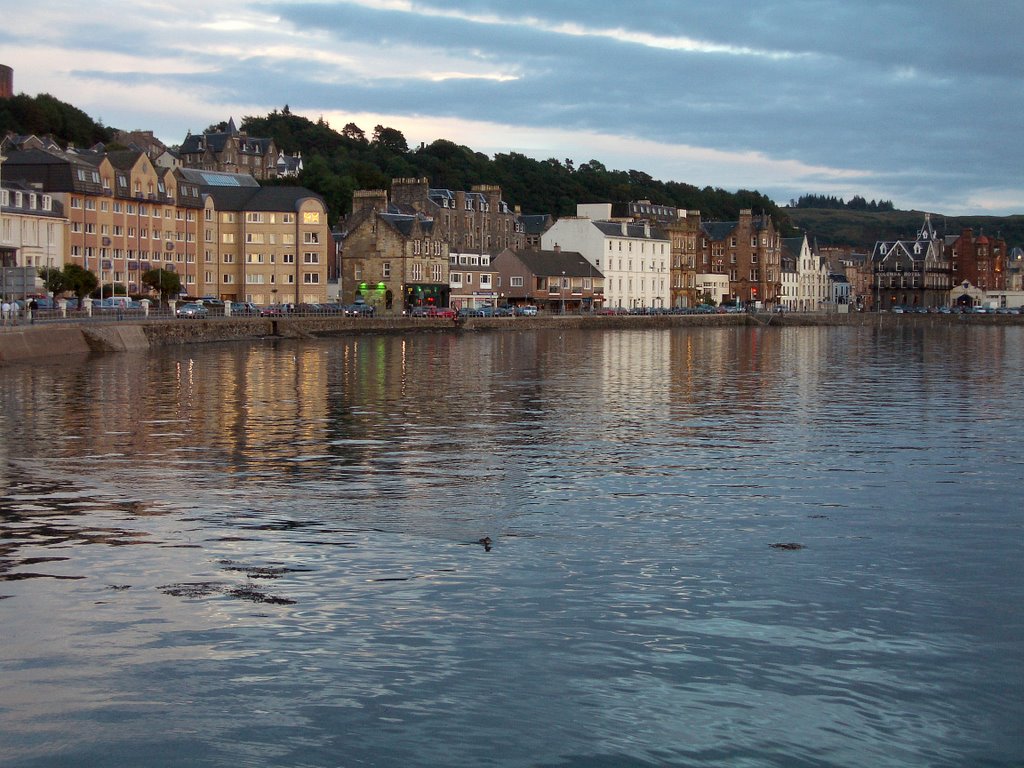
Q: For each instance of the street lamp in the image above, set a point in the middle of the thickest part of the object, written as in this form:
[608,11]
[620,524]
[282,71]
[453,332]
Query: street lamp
[561,291]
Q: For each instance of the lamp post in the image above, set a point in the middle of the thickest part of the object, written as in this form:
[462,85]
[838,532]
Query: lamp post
[561,291]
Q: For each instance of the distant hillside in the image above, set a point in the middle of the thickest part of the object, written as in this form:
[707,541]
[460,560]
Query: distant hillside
[336,163]
[44,115]
[862,229]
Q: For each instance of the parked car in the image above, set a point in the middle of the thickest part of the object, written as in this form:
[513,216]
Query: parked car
[360,309]
[193,310]
[471,312]
[244,308]
[273,310]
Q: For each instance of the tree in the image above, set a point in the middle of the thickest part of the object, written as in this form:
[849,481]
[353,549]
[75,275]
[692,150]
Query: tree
[354,132]
[164,281]
[390,139]
[79,281]
[53,280]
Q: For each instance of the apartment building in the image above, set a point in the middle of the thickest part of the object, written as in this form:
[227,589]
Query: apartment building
[633,257]
[127,216]
[980,261]
[749,251]
[913,272]
[32,232]
[266,245]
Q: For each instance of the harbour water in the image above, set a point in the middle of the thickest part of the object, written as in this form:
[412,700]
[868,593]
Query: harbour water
[270,554]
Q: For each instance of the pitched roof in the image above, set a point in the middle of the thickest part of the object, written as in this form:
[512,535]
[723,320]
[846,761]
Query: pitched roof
[641,230]
[259,198]
[570,263]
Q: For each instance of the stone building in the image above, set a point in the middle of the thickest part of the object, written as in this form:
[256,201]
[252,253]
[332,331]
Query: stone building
[684,233]
[478,221]
[391,259]
[749,251]
[231,151]
[912,273]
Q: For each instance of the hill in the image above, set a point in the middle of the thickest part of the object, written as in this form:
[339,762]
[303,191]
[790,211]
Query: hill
[861,229]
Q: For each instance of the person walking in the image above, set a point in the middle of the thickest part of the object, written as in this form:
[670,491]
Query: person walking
[33,307]
[5,309]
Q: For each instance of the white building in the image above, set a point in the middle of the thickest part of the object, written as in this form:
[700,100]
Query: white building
[32,229]
[812,288]
[634,257]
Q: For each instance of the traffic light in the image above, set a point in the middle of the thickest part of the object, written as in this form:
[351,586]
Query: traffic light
[753,291]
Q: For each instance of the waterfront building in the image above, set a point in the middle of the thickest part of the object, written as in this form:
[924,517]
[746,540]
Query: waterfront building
[390,259]
[749,251]
[683,233]
[979,260]
[265,245]
[558,281]
[478,221]
[472,282]
[32,233]
[789,295]
[633,257]
[914,272]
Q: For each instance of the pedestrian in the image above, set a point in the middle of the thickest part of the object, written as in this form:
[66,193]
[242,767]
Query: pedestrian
[33,307]
[5,309]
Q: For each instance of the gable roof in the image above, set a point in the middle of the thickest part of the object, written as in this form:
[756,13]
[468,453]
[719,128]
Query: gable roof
[570,263]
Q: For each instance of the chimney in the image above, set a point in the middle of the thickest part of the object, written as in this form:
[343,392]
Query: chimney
[558,248]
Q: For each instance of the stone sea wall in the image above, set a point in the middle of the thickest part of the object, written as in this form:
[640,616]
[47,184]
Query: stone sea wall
[30,343]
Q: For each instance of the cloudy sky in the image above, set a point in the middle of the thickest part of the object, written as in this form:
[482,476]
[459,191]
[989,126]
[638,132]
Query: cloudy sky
[918,103]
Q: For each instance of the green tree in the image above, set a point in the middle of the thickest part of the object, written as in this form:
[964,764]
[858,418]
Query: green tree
[390,139]
[79,281]
[165,282]
[53,280]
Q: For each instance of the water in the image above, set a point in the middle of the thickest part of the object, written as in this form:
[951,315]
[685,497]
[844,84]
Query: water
[270,554]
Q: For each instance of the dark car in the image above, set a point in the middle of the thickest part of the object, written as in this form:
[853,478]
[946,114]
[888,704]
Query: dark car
[273,310]
[359,309]
[244,308]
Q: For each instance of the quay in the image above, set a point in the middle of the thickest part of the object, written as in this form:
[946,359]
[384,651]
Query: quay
[42,341]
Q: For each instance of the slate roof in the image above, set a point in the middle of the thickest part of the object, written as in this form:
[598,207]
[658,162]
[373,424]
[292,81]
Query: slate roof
[536,224]
[640,231]
[792,246]
[548,263]
[258,198]
[718,230]
[405,224]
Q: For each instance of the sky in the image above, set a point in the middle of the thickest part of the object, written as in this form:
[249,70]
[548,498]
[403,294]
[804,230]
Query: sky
[917,103]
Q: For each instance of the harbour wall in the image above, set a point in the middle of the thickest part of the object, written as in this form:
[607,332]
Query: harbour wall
[45,341]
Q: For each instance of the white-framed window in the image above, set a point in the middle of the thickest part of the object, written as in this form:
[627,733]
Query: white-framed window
[254,237]
[310,278]
[385,269]
[310,257]
[229,278]
[485,281]
[515,282]
[311,238]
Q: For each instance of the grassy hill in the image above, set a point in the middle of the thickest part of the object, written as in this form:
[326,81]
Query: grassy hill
[861,229]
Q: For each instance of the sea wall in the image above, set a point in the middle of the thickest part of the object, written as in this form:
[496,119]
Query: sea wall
[41,341]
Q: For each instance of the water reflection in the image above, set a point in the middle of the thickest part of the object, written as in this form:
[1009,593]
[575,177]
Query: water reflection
[271,553]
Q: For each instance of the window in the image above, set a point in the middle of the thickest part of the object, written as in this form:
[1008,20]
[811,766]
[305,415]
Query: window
[253,217]
[485,281]
[455,279]
[288,258]
[229,258]
[229,278]
[516,282]
[252,279]
[228,237]
[385,269]
[469,278]
[310,257]
[435,273]
[311,238]
[310,278]
[254,258]
[254,237]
